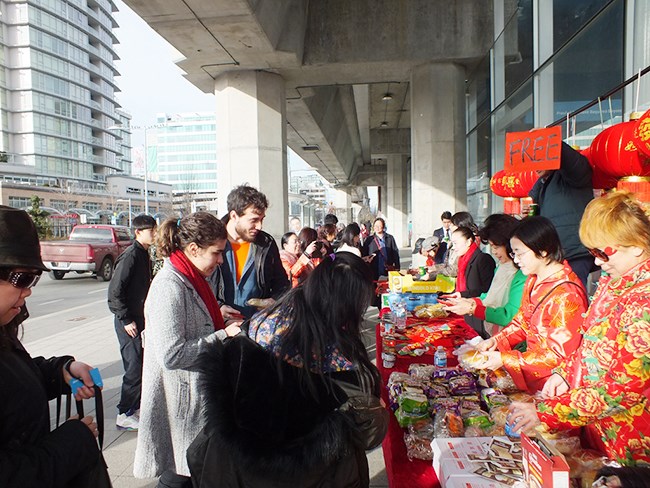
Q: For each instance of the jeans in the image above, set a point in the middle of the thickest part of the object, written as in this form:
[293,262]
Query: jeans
[131,351]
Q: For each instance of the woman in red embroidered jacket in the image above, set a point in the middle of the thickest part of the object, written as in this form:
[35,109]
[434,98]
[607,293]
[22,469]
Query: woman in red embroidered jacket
[550,315]
[605,384]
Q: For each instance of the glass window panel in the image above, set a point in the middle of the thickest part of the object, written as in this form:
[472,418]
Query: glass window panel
[590,65]
[478,89]
[569,16]
[518,47]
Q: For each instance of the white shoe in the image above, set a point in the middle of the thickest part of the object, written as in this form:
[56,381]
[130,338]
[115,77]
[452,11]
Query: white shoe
[136,414]
[127,422]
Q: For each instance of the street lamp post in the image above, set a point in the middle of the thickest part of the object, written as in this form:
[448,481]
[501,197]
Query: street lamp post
[130,213]
[146,172]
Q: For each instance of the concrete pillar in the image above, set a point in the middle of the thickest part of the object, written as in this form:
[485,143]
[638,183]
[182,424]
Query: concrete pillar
[396,207]
[252,141]
[438,168]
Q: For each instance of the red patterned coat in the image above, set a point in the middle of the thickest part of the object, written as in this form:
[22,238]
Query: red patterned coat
[609,375]
[550,321]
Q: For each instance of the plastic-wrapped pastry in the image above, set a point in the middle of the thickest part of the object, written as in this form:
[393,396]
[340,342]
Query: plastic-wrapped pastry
[418,441]
[448,423]
[431,311]
[501,380]
[421,371]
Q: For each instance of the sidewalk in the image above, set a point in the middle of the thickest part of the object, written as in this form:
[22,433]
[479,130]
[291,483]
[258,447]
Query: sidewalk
[95,343]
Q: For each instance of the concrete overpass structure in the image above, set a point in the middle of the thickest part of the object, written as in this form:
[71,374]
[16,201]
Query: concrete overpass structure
[368,92]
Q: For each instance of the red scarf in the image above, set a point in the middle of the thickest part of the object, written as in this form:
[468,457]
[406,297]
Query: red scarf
[198,281]
[461,279]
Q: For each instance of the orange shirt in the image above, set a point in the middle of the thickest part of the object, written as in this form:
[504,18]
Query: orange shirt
[240,251]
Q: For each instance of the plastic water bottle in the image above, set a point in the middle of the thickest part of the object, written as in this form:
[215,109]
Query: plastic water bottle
[399,314]
[440,357]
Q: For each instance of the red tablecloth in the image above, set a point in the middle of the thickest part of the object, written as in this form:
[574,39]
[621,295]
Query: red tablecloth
[401,472]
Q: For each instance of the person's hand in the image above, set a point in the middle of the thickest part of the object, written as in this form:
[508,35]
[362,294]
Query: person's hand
[492,361]
[523,416]
[460,306]
[233,329]
[450,296]
[229,313]
[82,371]
[311,248]
[131,329]
[89,422]
[487,345]
[555,386]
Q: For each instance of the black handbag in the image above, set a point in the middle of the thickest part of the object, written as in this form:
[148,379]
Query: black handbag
[97,475]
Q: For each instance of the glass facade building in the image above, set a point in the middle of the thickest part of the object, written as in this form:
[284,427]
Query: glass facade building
[57,92]
[549,59]
[182,152]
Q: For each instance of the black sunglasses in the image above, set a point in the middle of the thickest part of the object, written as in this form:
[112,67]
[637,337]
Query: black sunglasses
[20,279]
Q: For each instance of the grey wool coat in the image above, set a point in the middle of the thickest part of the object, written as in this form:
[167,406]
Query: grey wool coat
[179,327]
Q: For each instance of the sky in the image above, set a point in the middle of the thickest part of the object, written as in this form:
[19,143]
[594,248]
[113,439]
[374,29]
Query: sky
[151,83]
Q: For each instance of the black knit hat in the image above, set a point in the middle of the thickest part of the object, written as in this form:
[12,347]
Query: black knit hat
[19,247]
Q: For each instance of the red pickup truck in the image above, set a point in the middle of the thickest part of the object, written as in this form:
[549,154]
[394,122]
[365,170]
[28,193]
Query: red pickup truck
[89,248]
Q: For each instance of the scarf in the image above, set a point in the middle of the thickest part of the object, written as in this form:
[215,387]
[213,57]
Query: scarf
[463,261]
[498,294]
[181,262]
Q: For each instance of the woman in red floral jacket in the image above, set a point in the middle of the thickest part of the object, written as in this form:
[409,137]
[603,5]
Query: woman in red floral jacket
[605,384]
[550,315]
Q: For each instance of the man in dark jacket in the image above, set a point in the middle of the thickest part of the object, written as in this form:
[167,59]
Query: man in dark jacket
[251,266]
[562,196]
[126,295]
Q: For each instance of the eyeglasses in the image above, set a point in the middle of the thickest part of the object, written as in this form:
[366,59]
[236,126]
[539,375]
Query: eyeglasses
[514,255]
[603,254]
[20,279]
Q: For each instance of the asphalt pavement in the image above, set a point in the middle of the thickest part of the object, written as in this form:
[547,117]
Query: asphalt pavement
[71,317]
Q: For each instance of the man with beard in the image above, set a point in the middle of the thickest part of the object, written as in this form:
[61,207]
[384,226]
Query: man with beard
[252,268]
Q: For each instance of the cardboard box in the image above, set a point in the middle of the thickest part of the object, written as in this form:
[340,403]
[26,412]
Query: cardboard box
[544,466]
[402,284]
[470,481]
[457,448]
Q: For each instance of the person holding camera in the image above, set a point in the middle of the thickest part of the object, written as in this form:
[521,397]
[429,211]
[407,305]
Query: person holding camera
[313,251]
[383,245]
[30,454]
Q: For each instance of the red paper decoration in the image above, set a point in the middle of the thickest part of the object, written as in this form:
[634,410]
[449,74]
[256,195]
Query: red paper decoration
[613,152]
[515,185]
[639,185]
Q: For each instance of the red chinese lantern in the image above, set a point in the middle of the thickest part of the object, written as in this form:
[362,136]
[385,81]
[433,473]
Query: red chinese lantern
[514,185]
[613,152]
[639,185]
[641,135]
[511,206]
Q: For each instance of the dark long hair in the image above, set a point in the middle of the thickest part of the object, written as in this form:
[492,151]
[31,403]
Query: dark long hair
[349,233]
[498,229]
[327,310]
[306,236]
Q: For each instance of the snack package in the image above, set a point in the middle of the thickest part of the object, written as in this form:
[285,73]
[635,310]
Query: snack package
[444,374]
[430,311]
[478,418]
[584,461]
[501,380]
[435,390]
[448,423]
[414,403]
[463,384]
[521,396]
[499,415]
[404,419]
[494,398]
[421,371]
[418,441]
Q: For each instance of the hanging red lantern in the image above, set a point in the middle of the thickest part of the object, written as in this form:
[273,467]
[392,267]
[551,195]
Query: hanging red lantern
[511,206]
[515,185]
[642,134]
[639,185]
[613,152]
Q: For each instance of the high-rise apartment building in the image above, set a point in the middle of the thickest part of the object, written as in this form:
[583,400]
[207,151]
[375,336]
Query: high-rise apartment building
[57,93]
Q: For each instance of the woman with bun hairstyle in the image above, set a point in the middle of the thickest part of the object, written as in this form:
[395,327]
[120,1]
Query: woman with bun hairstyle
[183,318]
